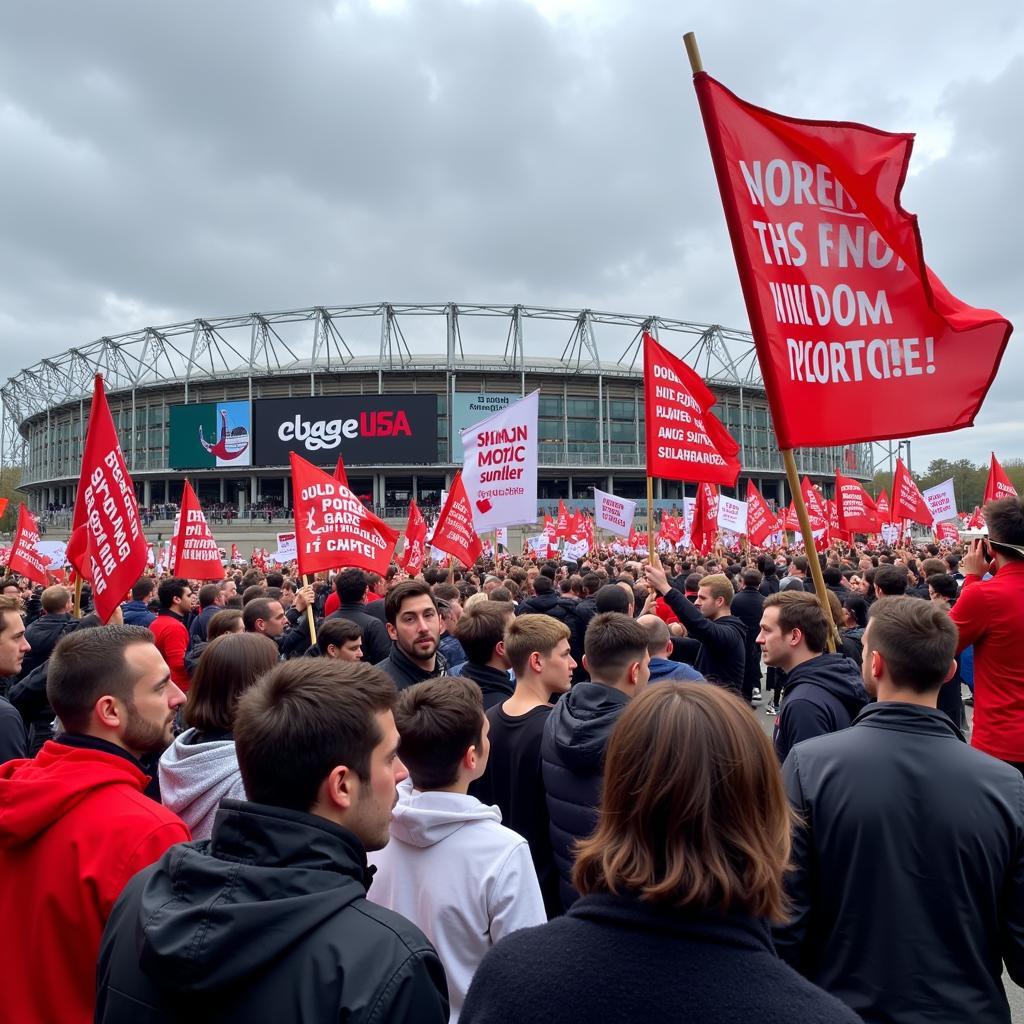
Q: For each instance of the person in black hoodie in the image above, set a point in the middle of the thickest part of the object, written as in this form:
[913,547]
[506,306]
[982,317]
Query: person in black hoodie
[824,692]
[585,610]
[481,631]
[720,655]
[350,585]
[547,600]
[415,630]
[577,730]
[268,919]
[748,605]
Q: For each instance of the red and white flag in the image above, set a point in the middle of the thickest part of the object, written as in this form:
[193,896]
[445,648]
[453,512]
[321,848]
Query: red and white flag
[704,530]
[761,522]
[194,552]
[415,541]
[883,507]
[25,557]
[976,521]
[907,500]
[815,506]
[455,533]
[998,484]
[845,313]
[947,532]
[856,512]
[562,521]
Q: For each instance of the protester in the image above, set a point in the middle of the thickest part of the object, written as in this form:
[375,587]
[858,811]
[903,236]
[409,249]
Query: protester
[414,628]
[136,612]
[449,607]
[350,586]
[168,628]
[74,823]
[340,639]
[43,634]
[13,648]
[675,885]
[211,600]
[585,610]
[226,620]
[262,615]
[747,606]
[660,648]
[269,920]
[907,887]
[481,632]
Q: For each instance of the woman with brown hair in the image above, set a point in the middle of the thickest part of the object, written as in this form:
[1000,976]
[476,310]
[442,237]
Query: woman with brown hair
[200,768]
[678,885]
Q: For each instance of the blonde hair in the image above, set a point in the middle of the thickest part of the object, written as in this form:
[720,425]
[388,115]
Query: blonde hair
[719,585]
[529,633]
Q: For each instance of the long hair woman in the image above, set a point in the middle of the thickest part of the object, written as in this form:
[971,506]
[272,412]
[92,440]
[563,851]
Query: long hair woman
[200,768]
[678,885]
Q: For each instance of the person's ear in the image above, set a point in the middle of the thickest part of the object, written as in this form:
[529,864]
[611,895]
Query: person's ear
[634,672]
[339,789]
[392,632]
[586,665]
[108,711]
[951,672]
[536,662]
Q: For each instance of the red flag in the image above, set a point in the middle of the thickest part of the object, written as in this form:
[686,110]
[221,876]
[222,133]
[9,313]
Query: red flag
[339,472]
[705,518]
[684,439]
[455,533]
[907,501]
[883,507]
[194,552]
[855,510]
[415,539]
[57,576]
[332,526]
[835,529]
[3,505]
[976,521]
[107,545]
[760,518]
[844,311]
[947,532]
[791,521]
[562,522]
[815,506]
[25,557]
[235,556]
[998,484]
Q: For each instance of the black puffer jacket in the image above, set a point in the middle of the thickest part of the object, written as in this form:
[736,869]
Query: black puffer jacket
[553,604]
[585,610]
[572,758]
[266,921]
[43,635]
[723,642]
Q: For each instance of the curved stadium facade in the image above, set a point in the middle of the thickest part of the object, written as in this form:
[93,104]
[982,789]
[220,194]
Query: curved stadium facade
[388,387]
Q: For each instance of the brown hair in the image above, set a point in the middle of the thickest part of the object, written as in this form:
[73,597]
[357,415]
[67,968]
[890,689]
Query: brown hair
[916,638]
[693,812]
[337,632]
[438,721]
[55,599]
[228,666]
[613,641]
[528,633]
[401,592]
[1004,518]
[223,622]
[800,610]
[480,627]
[720,586]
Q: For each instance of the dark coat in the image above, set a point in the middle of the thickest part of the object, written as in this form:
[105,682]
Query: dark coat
[43,635]
[585,610]
[376,642]
[266,921]
[572,758]
[908,885]
[747,606]
[553,604]
[137,613]
[405,672]
[495,684]
[723,642]
[13,741]
[199,625]
[615,958]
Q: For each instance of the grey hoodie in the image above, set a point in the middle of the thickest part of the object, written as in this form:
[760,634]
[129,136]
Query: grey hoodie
[195,777]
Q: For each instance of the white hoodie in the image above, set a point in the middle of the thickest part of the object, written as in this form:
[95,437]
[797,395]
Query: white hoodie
[194,777]
[455,871]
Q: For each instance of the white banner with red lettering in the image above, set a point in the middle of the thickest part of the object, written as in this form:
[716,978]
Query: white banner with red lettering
[941,501]
[613,514]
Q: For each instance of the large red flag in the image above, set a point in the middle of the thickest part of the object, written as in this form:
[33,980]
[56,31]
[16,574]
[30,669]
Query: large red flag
[194,552]
[107,545]
[333,529]
[339,472]
[684,439]
[761,521]
[455,533]
[844,311]
[998,484]
[883,506]
[562,521]
[816,512]
[415,539]
[705,518]
[25,557]
[907,501]
[855,509]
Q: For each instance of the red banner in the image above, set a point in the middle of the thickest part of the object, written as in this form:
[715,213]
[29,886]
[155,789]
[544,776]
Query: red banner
[107,545]
[791,521]
[684,440]
[883,507]
[194,552]
[815,506]
[947,533]
[760,518]
[855,509]
[562,522]
[907,501]
[3,505]
[333,529]
[455,533]
[25,557]
[339,473]
[844,311]
[998,484]
[415,539]
[704,531]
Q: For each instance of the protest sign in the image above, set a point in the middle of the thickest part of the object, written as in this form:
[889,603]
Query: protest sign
[287,548]
[54,553]
[732,515]
[25,557]
[612,513]
[941,501]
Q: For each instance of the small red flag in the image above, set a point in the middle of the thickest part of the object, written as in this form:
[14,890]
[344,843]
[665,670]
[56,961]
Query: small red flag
[455,533]
[976,521]
[705,518]
[339,472]
[883,506]
[907,501]
[998,484]
[855,510]
[194,552]
[791,520]
[25,557]
[562,522]
[3,505]
[760,518]
[815,506]
[415,539]
[947,532]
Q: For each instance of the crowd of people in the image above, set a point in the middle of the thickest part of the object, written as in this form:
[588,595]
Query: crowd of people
[522,790]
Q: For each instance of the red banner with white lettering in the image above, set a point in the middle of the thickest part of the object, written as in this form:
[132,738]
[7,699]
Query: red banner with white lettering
[562,520]
[845,313]
[333,529]
[883,507]
[907,501]
[194,552]
[704,530]
[25,557]
[815,505]
[455,533]
[856,511]
[415,539]
[107,546]
[998,484]
[761,520]
[947,533]
[684,439]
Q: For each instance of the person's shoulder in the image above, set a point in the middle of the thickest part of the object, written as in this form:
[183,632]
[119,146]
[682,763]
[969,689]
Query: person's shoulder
[791,997]
[385,928]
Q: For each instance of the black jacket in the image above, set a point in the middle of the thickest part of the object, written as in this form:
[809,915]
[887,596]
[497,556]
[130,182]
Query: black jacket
[747,606]
[13,742]
[908,884]
[723,642]
[572,758]
[43,635]
[376,642]
[553,604]
[585,610]
[266,921]
[615,958]
[495,684]
[405,672]
[822,695]
[199,625]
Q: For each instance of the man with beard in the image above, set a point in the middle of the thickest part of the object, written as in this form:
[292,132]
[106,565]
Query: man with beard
[75,823]
[415,630]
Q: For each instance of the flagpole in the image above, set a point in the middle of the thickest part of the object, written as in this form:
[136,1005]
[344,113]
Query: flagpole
[309,612]
[652,555]
[77,612]
[451,568]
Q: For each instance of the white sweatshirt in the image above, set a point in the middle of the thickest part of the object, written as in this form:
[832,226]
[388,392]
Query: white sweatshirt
[458,874]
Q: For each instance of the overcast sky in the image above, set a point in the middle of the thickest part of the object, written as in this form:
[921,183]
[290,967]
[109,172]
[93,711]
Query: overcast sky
[168,161]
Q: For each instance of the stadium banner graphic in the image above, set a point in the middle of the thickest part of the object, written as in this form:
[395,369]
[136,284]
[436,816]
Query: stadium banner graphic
[470,407]
[209,435]
[363,429]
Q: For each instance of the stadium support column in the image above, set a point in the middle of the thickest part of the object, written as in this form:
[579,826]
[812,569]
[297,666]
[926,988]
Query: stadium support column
[222,490]
[252,489]
[147,493]
[284,491]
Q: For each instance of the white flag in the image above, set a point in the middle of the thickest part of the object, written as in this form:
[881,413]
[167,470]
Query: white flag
[732,514]
[941,501]
[573,552]
[613,514]
[499,466]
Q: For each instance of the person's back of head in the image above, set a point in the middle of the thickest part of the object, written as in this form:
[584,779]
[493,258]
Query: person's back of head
[143,589]
[543,585]
[615,652]
[751,579]
[591,584]
[1004,518]
[612,598]
[255,592]
[658,636]
[799,610]
[858,608]
[802,565]
[693,812]
[481,630]
[909,646]
[548,569]
[941,584]
[501,594]
[832,575]
[692,583]
[208,595]
[932,567]
[275,579]
[55,600]
[350,586]
[251,578]
[891,580]
[227,620]
[228,666]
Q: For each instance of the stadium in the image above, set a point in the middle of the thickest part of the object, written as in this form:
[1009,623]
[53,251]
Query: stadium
[388,387]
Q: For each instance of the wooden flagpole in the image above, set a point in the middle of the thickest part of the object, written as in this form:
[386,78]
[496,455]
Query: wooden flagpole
[309,612]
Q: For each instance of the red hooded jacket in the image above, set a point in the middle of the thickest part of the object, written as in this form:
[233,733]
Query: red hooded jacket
[74,828]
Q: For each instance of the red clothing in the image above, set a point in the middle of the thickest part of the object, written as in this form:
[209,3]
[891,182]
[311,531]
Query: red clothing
[665,613]
[171,637]
[332,604]
[74,827]
[990,615]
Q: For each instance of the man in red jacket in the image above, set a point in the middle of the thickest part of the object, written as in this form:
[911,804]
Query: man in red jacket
[74,823]
[990,615]
[169,629]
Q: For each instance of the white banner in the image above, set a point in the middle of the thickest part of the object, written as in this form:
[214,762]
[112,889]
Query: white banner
[538,544]
[732,514]
[575,551]
[613,514]
[287,549]
[501,536]
[941,501]
[890,532]
[499,466]
[54,553]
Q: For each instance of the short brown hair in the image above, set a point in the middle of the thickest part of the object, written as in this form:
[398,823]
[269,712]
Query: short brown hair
[223,622]
[401,592]
[9,603]
[228,666]
[438,721]
[297,724]
[55,599]
[613,641]
[916,638]
[720,586]
[337,631]
[528,633]
[1004,518]
[800,610]
[693,812]
[480,627]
